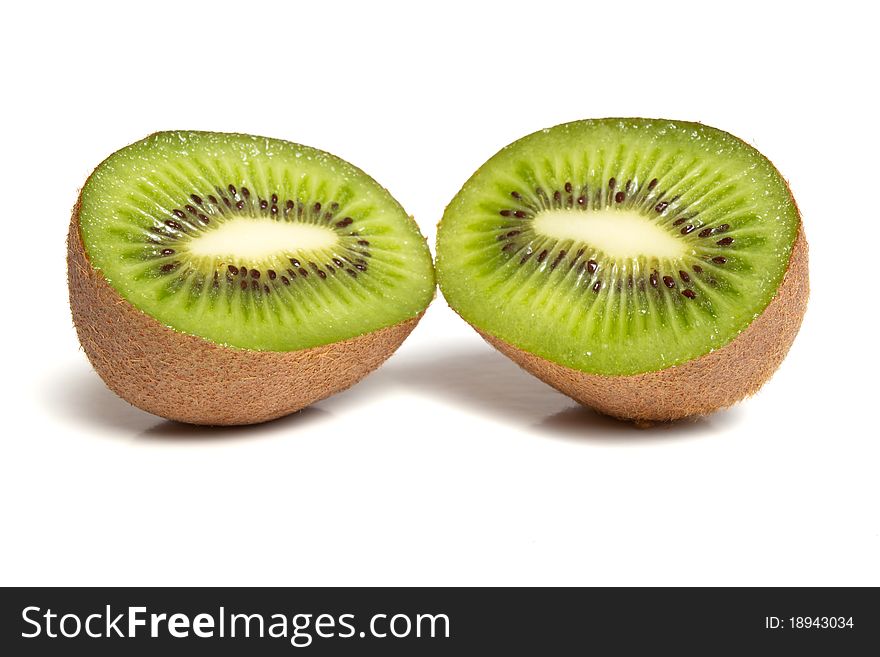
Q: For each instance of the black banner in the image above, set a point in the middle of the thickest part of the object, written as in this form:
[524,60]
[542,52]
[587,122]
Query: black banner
[418,621]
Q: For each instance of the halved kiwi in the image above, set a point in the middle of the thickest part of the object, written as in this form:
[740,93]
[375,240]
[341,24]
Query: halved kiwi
[652,269]
[231,279]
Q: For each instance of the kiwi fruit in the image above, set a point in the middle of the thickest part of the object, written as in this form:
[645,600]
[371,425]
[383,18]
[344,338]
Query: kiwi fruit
[650,269]
[231,279]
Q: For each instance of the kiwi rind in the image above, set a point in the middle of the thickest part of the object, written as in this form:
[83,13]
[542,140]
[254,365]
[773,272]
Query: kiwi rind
[699,387]
[189,379]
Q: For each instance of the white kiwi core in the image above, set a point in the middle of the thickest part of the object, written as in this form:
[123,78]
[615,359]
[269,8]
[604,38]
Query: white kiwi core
[259,239]
[621,234]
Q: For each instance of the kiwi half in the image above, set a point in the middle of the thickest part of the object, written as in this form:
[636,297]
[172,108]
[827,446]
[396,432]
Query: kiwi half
[231,279]
[651,269]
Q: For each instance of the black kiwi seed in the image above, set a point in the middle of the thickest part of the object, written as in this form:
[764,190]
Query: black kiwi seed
[582,200]
[303,272]
[687,229]
[243,285]
[192,210]
[519,214]
[232,269]
[722,228]
[244,271]
[612,183]
[654,279]
[726,241]
[363,243]
[705,232]
[505,213]
[684,276]
[597,286]
[295,262]
[178,213]
[679,221]
[271,274]
[719,260]
[255,286]
[542,255]
[239,205]
[592,266]
[690,294]
[352,273]
[173,224]
[285,280]
[669,282]
[213,200]
[171,266]
[196,199]
[348,221]
[167,252]
[619,197]
[516,195]
[204,219]
[245,192]
[360,267]
[660,207]
[231,189]
[652,184]
[697,269]
[292,273]
[255,273]
[508,246]
[628,186]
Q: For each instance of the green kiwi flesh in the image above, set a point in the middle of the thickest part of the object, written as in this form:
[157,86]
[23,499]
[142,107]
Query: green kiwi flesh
[251,242]
[618,247]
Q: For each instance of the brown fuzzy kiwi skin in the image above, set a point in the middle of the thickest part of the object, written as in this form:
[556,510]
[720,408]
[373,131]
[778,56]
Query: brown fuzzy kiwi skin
[189,379]
[698,387]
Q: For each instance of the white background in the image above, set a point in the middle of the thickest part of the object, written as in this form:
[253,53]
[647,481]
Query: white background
[449,465]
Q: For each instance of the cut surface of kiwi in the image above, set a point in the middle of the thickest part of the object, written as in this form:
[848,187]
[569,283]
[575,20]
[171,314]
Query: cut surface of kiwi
[619,247]
[231,279]
[252,242]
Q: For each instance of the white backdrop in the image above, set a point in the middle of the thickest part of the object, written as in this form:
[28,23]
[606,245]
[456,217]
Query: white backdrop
[448,465]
